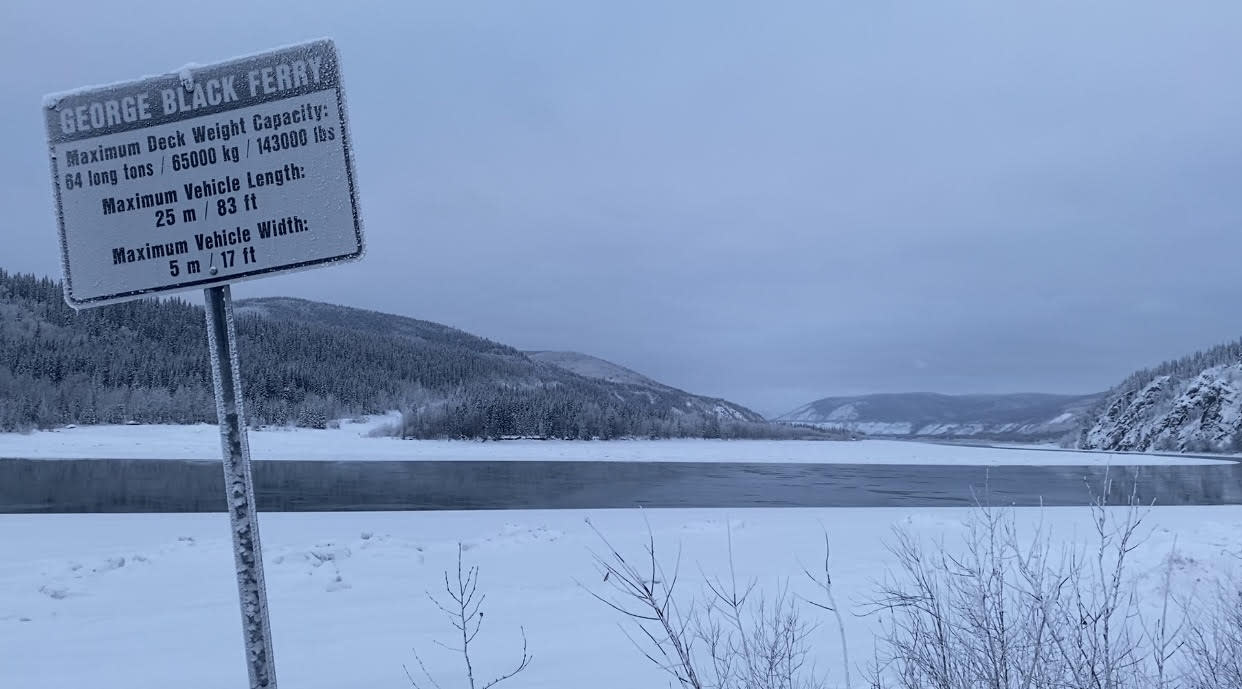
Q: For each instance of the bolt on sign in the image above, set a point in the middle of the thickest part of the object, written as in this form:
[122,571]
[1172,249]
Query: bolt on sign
[201,178]
[207,176]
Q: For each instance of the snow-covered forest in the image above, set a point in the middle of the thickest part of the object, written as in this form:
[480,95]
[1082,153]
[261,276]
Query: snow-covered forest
[1189,404]
[306,364]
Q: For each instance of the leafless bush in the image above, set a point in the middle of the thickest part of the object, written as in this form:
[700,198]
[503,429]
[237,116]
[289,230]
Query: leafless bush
[464,609]
[1014,613]
[753,642]
[733,637]
[1003,609]
[1214,639]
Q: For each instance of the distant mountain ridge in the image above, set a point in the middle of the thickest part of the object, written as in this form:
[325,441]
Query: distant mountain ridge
[1019,416]
[1192,404]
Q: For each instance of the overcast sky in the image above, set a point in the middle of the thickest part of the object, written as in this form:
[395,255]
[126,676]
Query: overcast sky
[770,202]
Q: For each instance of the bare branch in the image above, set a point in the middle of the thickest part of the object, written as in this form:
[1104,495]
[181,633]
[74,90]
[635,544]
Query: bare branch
[463,607]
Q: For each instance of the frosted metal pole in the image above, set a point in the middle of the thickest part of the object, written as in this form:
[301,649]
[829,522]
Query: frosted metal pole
[239,488]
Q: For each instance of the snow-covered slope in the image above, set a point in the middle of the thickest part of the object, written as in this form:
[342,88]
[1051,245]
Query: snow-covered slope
[1016,416]
[306,362]
[1191,404]
[589,366]
[549,366]
[1199,413]
[595,368]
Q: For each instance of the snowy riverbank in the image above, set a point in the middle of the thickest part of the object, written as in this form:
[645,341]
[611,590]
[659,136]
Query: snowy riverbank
[149,600]
[353,441]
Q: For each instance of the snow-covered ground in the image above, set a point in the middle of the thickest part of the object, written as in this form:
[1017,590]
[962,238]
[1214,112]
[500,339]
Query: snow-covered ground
[136,600]
[353,441]
[109,601]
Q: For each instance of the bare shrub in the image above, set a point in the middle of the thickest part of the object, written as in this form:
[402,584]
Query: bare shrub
[1213,639]
[979,619]
[464,609]
[733,637]
[753,642]
[1004,609]
[1015,613]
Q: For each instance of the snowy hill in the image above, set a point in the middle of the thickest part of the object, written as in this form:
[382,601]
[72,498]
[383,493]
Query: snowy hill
[363,321]
[1193,404]
[1024,416]
[588,366]
[305,363]
[621,396]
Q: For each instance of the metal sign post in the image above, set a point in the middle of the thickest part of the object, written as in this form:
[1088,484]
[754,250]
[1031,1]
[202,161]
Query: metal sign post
[198,179]
[239,488]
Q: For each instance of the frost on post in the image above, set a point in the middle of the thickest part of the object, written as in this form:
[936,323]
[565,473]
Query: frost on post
[239,487]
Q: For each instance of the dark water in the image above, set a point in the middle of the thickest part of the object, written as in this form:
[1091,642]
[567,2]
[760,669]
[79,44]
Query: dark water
[121,485]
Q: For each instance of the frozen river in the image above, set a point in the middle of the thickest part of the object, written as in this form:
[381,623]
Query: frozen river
[147,485]
[177,469]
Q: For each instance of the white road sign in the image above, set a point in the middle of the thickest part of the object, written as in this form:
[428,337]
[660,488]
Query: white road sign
[208,176]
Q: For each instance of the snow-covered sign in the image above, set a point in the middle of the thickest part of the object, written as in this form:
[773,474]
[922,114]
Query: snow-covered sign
[202,177]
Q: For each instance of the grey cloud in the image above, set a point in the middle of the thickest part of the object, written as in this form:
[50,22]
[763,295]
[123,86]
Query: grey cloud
[765,203]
